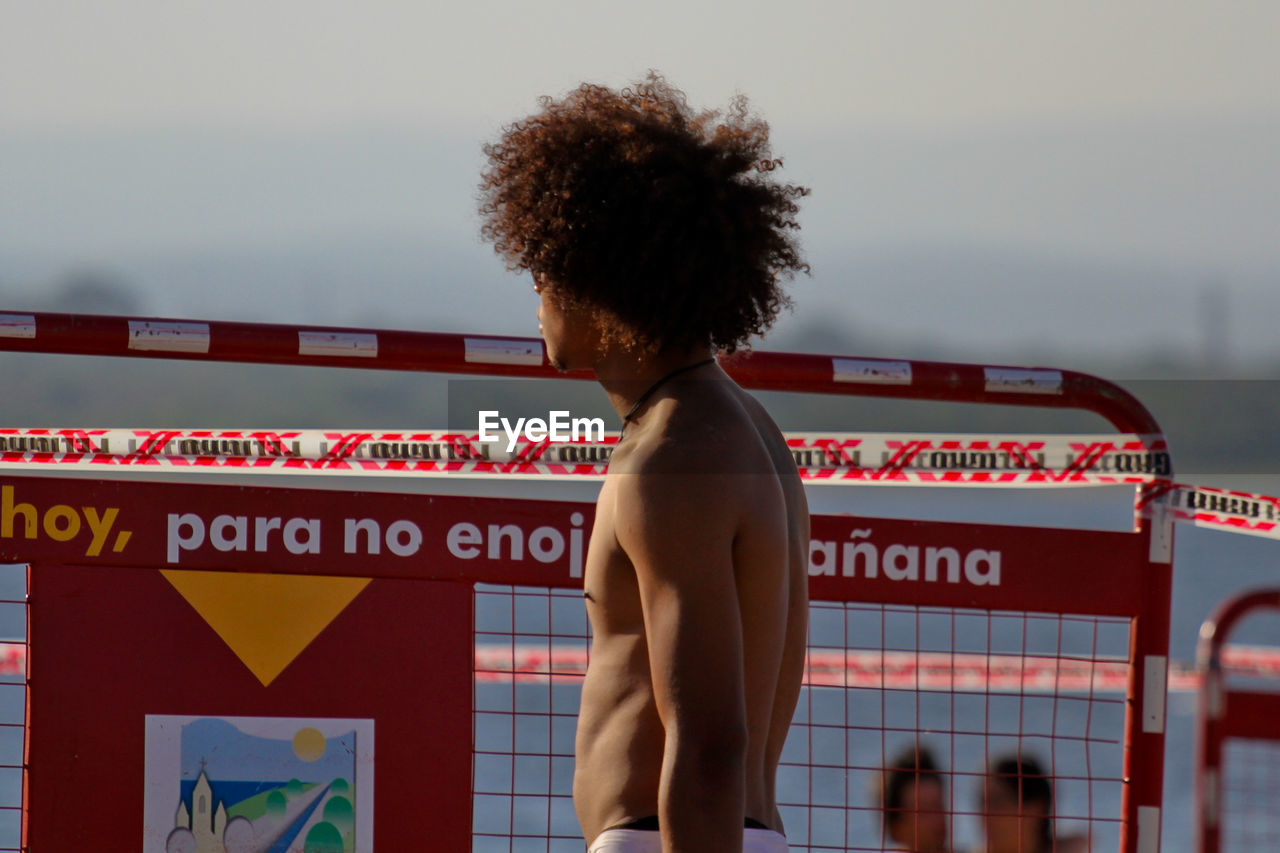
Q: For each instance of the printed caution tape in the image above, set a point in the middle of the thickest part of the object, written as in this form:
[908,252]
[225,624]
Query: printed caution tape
[902,457]
[864,668]
[909,670]
[837,458]
[1221,509]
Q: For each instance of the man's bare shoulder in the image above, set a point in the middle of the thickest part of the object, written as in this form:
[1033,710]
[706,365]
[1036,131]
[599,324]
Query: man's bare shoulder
[687,476]
[668,477]
[716,436]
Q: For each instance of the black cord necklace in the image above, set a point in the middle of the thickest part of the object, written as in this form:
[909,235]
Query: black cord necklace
[626,419]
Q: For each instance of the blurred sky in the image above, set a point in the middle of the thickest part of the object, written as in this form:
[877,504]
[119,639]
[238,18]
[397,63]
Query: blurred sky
[293,63]
[984,172]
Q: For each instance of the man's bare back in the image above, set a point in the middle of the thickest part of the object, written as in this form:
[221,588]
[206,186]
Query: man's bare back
[696,590]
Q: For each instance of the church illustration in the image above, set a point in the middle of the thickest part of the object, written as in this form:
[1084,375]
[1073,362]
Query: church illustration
[205,829]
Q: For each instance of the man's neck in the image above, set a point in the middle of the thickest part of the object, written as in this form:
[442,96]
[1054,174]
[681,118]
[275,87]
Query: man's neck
[625,378]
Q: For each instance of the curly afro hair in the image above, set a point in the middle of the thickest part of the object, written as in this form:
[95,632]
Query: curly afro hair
[665,223]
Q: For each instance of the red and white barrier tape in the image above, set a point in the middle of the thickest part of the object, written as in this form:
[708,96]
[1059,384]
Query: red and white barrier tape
[837,458]
[1054,459]
[857,668]
[966,672]
[963,672]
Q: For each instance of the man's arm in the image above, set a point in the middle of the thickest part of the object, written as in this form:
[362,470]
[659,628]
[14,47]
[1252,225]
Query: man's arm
[678,531]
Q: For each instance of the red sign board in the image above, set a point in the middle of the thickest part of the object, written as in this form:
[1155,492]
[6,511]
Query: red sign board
[173,625]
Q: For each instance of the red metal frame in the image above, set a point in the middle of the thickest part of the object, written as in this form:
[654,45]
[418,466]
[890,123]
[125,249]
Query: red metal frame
[1224,713]
[435,352]
[272,343]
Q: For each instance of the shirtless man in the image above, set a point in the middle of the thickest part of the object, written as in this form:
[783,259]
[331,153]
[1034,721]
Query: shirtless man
[656,237]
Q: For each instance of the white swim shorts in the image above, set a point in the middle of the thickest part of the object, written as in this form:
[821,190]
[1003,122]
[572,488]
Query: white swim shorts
[648,841]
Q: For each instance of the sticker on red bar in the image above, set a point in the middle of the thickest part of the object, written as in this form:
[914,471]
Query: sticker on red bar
[1023,380]
[159,336]
[18,326]
[871,370]
[498,351]
[338,344]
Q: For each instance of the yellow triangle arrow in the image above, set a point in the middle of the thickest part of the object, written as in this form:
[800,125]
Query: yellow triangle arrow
[266,619]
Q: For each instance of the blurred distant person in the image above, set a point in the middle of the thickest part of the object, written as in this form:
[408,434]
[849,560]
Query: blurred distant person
[1017,810]
[912,799]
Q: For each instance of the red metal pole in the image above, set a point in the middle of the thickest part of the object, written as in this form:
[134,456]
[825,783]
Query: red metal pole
[1211,711]
[1142,797]
[331,346]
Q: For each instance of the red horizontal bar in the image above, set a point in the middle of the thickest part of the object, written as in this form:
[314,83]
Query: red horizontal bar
[271,343]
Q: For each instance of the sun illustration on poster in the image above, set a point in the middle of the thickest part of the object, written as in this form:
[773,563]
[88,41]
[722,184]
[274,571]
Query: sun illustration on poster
[308,744]
[262,784]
